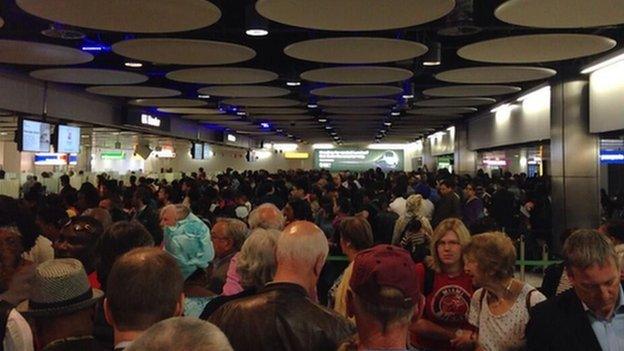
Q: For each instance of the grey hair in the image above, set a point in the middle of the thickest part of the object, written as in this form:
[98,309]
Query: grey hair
[387,315]
[182,334]
[236,230]
[256,261]
[266,216]
[182,211]
[587,247]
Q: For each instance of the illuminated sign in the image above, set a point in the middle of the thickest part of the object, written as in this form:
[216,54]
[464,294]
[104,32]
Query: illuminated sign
[150,120]
[231,137]
[113,155]
[55,159]
[612,156]
[338,160]
[297,155]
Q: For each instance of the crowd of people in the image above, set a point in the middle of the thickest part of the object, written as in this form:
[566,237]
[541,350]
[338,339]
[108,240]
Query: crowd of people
[301,260]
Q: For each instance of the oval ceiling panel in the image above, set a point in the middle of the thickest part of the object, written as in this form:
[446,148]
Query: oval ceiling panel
[222,75]
[168,102]
[275,111]
[244,91]
[214,117]
[261,102]
[33,53]
[495,74]
[561,13]
[442,111]
[190,110]
[283,117]
[357,102]
[357,111]
[183,51]
[536,48]
[471,90]
[134,16]
[357,75]
[132,91]
[355,50]
[354,15]
[91,76]
[455,102]
[357,91]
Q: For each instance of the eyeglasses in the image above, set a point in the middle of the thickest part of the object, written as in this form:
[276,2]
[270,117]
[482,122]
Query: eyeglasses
[80,227]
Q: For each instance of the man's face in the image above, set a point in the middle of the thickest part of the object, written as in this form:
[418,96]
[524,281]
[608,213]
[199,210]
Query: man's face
[10,256]
[443,189]
[220,241]
[597,286]
[168,218]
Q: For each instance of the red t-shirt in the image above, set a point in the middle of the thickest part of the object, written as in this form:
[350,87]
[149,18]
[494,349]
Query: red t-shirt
[447,304]
[93,280]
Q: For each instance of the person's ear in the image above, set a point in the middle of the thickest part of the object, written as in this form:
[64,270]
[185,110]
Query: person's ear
[350,309]
[179,309]
[107,313]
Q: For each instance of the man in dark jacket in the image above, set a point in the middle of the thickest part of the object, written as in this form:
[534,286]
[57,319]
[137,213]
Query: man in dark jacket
[146,215]
[449,204]
[591,315]
[283,315]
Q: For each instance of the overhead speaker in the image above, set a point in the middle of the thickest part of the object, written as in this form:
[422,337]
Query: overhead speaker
[142,150]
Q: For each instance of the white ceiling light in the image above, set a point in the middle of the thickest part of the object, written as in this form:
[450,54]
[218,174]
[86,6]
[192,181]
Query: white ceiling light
[603,64]
[203,96]
[133,64]
[293,84]
[386,146]
[257,32]
[322,146]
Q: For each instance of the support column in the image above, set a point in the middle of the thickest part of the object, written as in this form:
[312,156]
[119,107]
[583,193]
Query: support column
[465,159]
[428,159]
[574,156]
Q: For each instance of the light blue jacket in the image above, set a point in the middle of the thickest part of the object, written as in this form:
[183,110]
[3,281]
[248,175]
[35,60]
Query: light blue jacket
[189,243]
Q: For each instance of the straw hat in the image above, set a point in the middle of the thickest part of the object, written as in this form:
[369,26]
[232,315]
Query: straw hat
[59,287]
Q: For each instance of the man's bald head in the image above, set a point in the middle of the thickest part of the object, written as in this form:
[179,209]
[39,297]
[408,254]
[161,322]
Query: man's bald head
[143,287]
[301,242]
[266,216]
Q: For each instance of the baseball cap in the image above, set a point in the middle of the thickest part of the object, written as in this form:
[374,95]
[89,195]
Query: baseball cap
[385,266]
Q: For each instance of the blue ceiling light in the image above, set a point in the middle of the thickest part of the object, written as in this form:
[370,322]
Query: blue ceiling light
[265,125]
[96,48]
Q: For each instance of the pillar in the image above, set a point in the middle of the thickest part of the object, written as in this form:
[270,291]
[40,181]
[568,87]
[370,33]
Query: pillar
[465,159]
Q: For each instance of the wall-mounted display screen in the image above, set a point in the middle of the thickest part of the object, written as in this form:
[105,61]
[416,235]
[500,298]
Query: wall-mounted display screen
[197,152]
[358,160]
[55,159]
[208,153]
[68,139]
[35,136]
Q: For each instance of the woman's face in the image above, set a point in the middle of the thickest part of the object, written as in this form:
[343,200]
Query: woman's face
[449,249]
[471,267]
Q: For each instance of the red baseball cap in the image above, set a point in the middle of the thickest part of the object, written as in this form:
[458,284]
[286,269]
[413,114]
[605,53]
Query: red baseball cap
[385,266]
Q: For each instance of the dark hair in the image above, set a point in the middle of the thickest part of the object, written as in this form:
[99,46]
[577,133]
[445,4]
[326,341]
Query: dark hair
[301,184]
[413,226]
[64,179]
[144,194]
[345,204]
[615,229]
[448,182]
[14,213]
[144,286]
[118,239]
[301,210]
[356,231]
[53,215]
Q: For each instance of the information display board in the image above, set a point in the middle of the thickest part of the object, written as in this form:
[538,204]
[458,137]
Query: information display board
[35,136]
[358,160]
[68,139]
[197,151]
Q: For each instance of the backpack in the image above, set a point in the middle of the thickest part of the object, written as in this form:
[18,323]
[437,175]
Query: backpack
[5,310]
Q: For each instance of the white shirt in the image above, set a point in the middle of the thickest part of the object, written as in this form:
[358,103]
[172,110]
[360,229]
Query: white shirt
[503,332]
[18,336]
[398,206]
[426,209]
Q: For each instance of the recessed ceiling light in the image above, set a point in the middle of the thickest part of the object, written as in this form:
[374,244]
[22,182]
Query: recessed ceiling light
[387,124]
[241,113]
[293,84]
[257,32]
[322,120]
[133,64]
[395,113]
[279,130]
[408,96]
[264,125]
[203,96]
[328,127]
[432,63]
[312,105]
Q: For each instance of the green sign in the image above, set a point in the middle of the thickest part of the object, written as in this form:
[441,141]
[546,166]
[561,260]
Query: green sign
[358,160]
[112,155]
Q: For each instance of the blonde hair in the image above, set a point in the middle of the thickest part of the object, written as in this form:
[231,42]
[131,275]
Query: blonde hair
[413,204]
[494,253]
[450,224]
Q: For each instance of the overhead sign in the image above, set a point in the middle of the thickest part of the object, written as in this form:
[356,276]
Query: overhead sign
[149,120]
[113,155]
[358,160]
[297,155]
[55,159]
[612,156]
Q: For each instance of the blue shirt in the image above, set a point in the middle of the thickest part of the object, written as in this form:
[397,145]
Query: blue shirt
[610,333]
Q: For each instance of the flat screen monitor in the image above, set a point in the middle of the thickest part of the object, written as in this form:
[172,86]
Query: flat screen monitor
[198,151]
[35,136]
[68,139]
[207,152]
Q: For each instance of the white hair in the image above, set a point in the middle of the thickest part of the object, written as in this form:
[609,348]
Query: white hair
[236,230]
[304,248]
[266,216]
[182,334]
[181,210]
[256,261]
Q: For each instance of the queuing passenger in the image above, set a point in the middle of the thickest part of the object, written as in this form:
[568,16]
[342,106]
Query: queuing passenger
[447,290]
[356,235]
[145,214]
[383,297]
[472,209]
[62,306]
[591,315]
[144,287]
[101,215]
[449,205]
[255,267]
[298,210]
[186,238]
[78,239]
[499,310]
[182,334]
[266,321]
[413,207]
[228,236]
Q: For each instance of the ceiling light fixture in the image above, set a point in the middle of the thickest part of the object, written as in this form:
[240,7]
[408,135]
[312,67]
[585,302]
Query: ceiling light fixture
[133,64]
[312,105]
[265,125]
[203,96]
[293,83]
[433,57]
[322,120]
[255,25]
[603,64]
[241,113]
[257,32]
[328,127]
[387,124]
[395,113]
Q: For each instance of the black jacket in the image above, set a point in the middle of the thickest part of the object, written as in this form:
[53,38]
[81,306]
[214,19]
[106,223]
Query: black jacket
[561,323]
[149,218]
[281,317]
[448,206]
